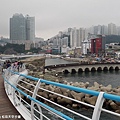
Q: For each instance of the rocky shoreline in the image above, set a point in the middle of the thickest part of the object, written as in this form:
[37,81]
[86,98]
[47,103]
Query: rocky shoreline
[37,71]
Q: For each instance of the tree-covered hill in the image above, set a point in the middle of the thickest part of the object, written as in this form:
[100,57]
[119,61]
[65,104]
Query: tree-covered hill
[112,39]
[12,49]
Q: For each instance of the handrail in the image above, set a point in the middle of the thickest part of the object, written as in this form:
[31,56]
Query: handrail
[83,90]
[97,108]
[42,104]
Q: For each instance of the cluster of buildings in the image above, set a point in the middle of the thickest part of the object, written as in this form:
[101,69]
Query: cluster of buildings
[22,28]
[72,41]
[83,40]
[22,31]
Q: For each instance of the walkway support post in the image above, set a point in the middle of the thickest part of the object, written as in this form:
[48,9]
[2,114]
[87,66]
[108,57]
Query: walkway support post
[33,103]
[98,106]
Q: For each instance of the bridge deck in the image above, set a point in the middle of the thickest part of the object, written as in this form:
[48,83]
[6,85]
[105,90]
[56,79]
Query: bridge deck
[7,110]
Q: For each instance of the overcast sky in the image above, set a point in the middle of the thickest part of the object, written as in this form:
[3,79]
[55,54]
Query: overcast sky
[52,16]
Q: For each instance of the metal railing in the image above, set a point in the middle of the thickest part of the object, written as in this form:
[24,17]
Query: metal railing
[24,92]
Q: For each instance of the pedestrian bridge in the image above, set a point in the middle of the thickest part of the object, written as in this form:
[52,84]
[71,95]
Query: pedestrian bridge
[76,67]
[36,99]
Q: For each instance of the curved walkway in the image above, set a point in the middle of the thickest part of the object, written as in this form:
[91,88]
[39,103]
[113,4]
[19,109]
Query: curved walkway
[7,110]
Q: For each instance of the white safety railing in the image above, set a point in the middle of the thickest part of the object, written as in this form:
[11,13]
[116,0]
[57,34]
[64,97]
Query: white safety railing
[24,92]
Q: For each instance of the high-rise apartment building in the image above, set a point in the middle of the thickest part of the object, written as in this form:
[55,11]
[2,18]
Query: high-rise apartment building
[22,28]
[118,30]
[30,28]
[73,38]
[17,27]
[77,36]
[112,30]
[104,30]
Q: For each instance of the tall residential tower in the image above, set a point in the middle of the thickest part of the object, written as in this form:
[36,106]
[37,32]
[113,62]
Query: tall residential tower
[22,28]
[30,28]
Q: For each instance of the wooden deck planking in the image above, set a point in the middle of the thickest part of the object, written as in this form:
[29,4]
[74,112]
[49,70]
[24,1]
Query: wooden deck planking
[6,107]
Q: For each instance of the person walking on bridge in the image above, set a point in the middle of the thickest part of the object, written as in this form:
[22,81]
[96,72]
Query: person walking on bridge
[4,67]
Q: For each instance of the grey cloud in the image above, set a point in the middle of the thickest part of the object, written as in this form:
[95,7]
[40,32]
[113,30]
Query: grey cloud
[54,15]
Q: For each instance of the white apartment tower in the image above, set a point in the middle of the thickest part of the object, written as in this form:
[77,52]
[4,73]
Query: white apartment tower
[30,28]
[73,38]
[118,30]
[82,35]
[22,28]
[104,30]
[77,36]
[112,29]
[17,27]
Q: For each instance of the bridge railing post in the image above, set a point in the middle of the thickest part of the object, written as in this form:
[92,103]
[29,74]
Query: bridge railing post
[98,106]
[14,94]
[7,75]
[33,103]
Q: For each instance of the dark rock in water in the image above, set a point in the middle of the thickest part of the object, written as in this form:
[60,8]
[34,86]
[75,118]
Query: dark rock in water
[77,96]
[114,106]
[91,100]
[118,111]
[75,106]
[68,106]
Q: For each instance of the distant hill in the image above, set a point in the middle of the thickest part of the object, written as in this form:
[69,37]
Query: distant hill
[112,39]
[12,48]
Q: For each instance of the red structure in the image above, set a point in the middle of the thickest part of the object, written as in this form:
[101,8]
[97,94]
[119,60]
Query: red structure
[49,51]
[97,45]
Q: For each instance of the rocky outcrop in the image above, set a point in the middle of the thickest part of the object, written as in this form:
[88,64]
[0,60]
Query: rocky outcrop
[35,63]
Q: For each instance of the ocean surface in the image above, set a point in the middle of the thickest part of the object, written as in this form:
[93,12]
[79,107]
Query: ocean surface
[104,78]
